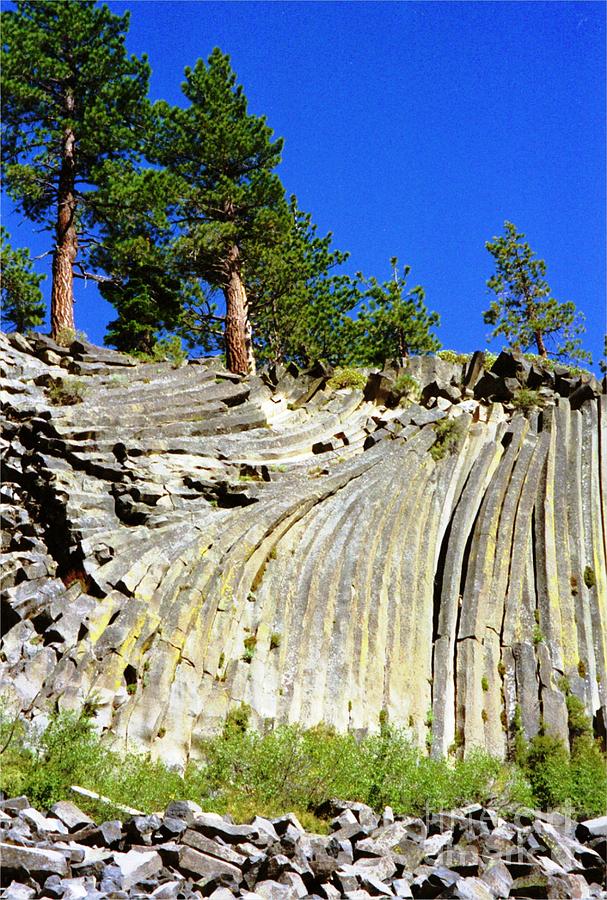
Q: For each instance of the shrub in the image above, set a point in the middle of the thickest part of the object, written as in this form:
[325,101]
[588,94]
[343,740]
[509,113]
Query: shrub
[448,433]
[547,767]
[65,337]
[168,349]
[347,378]
[581,668]
[485,683]
[538,635]
[526,400]
[407,386]
[237,720]
[589,577]
[588,776]
[577,720]
[275,639]
[244,773]
[66,393]
[452,356]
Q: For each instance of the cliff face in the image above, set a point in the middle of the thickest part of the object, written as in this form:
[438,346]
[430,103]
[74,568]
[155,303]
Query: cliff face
[183,541]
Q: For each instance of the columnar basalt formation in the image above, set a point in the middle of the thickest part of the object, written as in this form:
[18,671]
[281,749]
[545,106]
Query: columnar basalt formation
[183,541]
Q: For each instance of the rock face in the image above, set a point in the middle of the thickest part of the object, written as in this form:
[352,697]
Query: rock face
[467,853]
[184,541]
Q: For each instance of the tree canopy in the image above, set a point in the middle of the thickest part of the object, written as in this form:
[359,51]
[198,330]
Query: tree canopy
[22,305]
[73,101]
[180,215]
[524,311]
[229,203]
[393,322]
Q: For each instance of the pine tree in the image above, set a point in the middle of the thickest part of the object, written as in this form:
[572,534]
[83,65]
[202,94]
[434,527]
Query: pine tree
[525,311]
[22,305]
[393,322]
[299,300]
[230,204]
[135,249]
[73,100]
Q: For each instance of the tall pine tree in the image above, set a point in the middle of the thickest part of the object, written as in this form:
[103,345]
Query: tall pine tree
[73,99]
[524,311]
[230,203]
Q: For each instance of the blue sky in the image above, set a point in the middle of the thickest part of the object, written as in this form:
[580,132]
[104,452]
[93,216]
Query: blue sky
[415,130]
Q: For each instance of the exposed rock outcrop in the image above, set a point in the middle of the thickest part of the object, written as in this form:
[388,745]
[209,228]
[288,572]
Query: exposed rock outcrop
[184,541]
[470,853]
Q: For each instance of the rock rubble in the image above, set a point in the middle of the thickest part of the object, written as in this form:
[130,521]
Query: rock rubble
[469,853]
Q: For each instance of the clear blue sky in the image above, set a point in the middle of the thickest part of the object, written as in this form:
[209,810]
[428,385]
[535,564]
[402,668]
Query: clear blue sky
[415,129]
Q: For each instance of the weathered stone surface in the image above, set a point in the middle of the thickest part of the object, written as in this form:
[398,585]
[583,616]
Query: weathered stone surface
[72,817]
[18,862]
[197,864]
[136,866]
[165,478]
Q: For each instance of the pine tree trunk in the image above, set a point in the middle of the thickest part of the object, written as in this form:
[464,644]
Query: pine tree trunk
[66,240]
[239,350]
[539,342]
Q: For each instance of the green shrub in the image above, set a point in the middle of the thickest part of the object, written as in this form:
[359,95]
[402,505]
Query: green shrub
[66,393]
[407,386]
[485,683]
[346,377]
[538,635]
[237,720]
[581,668]
[245,773]
[526,400]
[275,640]
[547,766]
[452,356]
[588,777]
[65,337]
[448,432]
[589,577]
[168,349]
[577,719]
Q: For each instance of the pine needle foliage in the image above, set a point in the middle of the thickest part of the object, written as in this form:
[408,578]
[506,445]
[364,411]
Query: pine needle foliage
[393,322]
[524,311]
[22,305]
[73,102]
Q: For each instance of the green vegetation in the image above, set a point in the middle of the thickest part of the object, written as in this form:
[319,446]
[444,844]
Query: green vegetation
[448,432]
[347,377]
[558,777]
[524,311]
[74,114]
[291,769]
[275,640]
[452,356]
[589,577]
[393,322]
[66,393]
[407,386]
[250,645]
[538,635]
[168,349]
[485,683]
[22,304]
[525,400]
